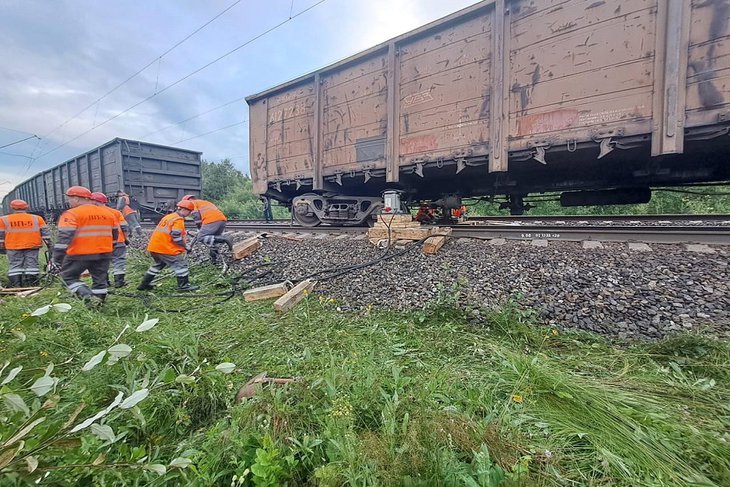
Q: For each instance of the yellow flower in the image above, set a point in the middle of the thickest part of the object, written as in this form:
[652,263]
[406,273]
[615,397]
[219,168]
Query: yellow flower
[44,353]
[555,332]
[517,398]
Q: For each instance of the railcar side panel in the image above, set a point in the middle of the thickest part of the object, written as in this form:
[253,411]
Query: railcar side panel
[444,92]
[154,176]
[354,116]
[708,67]
[577,73]
[289,145]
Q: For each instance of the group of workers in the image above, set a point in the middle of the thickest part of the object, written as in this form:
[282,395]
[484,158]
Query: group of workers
[94,237]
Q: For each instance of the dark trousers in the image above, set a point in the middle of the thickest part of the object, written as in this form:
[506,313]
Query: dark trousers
[98,268]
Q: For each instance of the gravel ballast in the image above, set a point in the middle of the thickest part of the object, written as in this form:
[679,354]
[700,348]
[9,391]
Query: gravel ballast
[608,290]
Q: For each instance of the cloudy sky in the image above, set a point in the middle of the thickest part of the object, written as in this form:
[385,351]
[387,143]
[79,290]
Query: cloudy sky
[61,56]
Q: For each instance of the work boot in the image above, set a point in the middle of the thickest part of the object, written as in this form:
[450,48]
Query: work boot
[15,281]
[31,280]
[84,293]
[119,280]
[224,239]
[183,284]
[146,284]
[213,253]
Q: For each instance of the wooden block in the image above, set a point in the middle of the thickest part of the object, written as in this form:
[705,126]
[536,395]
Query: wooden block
[266,292]
[292,236]
[29,292]
[19,291]
[433,244]
[400,234]
[295,294]
[244,248]
[395,219]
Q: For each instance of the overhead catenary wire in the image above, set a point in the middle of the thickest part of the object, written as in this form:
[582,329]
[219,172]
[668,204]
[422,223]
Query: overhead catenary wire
[178,81]
[211,132]
[157,59]
[228,103]
[19,141]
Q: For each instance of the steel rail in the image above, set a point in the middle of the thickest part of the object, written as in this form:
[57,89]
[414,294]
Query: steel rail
[648,234]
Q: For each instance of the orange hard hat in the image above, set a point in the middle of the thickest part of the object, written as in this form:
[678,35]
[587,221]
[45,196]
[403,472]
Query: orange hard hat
[188,197]
[188,205]
[18,205]
[79,191]
[100,197]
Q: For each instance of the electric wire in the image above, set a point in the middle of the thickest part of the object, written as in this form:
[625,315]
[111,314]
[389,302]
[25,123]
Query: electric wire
[180,80]
[194,117]
[134,75]
[19,141]
[211,132]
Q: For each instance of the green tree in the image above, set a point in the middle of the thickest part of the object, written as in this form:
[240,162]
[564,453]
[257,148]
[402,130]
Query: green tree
[220,179]
[232,192]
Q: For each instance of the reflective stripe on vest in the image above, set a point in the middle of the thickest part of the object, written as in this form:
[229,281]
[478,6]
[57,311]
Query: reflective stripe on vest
[22,231]
[92,227]
[209,213]
[161,240]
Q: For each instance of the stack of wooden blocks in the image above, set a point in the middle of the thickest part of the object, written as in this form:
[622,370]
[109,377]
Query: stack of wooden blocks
[400,230]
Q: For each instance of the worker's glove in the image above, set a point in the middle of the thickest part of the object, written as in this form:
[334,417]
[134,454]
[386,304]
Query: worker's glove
[126,242]
[188,247]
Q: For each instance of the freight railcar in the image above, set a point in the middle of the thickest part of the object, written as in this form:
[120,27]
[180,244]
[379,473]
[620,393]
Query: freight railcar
[154,176]
[599,100]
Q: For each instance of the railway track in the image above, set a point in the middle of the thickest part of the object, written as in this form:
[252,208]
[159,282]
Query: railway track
[666,229]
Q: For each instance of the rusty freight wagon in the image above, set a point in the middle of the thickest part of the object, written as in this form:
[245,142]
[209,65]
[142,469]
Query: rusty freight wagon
[600,100]
[154,176]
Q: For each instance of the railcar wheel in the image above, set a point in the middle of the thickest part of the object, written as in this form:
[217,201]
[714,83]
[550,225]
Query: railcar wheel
[307,220]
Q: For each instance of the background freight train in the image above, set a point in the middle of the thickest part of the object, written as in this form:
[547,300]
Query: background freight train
[598,100]
[155,177]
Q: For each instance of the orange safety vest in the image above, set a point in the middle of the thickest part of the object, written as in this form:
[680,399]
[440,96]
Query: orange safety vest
[161,241]
[120,221]
[22,231]
[93,227]
[127,210]
[209,213]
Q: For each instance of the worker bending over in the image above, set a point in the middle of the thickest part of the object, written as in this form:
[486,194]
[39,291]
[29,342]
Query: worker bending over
[167,247]
[21,236]
[119,254]
[211,222]
[131,216]
[86,236]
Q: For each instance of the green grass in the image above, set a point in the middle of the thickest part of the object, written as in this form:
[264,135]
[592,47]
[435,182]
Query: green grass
[437,397]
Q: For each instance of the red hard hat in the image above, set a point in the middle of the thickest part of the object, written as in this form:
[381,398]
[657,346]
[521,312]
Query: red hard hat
[18,205]
[79,191]
[100,197]
[188,205]
[188,197]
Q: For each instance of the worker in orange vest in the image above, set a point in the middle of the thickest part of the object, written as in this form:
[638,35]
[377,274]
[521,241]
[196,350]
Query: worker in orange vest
[21,236]
[86,236]
[119,254]
[130,215]
[211,222]
[167,247]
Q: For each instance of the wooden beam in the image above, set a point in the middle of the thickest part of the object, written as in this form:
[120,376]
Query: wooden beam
[266,292]
[244,248]
[433,244]
[296,294]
